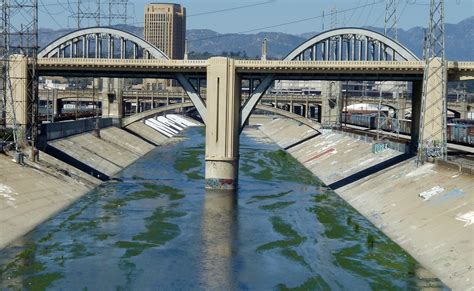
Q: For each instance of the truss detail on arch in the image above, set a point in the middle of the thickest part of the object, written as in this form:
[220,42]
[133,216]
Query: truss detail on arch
[351,44]
[111,43]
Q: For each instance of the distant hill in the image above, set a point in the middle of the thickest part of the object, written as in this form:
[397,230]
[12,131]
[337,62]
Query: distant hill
[459,40]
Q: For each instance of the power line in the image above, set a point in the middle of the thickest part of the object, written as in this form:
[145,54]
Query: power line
[288,23]
[231,9]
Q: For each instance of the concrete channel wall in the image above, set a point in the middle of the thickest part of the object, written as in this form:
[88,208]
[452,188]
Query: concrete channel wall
[427,210]
[69,167]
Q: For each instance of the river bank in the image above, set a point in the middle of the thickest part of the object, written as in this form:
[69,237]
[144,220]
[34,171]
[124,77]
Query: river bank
[68,168]
[427,210]
[155,226]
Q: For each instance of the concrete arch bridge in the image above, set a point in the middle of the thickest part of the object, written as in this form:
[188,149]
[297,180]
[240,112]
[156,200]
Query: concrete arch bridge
[336,55]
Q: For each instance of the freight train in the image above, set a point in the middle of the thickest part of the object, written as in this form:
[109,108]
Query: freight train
[458,130]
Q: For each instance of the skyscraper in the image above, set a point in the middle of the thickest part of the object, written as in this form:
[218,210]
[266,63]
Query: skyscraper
[165,27]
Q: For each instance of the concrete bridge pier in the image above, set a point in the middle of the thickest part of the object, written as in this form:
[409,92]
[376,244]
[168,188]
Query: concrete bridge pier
[57,104]
[416,114]
[112,100]
[222,124]
[433,135]
[19,78]
[331,106]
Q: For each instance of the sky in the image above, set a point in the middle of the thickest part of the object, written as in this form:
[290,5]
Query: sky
[289,16]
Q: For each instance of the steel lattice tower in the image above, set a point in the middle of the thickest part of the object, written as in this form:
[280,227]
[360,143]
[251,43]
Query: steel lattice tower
[8,124]
[19,36]
[117,12]
[432,142]
[87,12]
[391,20]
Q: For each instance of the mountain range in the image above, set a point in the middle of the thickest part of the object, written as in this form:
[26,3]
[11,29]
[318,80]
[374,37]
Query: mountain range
[204,42]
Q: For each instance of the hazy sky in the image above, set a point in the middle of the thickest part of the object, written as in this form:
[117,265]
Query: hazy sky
[290,16]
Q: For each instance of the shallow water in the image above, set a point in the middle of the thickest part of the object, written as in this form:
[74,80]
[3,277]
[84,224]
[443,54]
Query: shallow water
[157,228]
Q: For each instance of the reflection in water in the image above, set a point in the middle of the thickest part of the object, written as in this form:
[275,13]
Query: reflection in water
[218,232]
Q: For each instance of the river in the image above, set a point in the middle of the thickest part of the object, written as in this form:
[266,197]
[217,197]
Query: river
[155,227]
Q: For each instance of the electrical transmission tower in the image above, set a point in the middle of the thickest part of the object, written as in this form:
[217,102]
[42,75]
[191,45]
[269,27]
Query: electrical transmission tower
[117,12]
[390,30]
[432,139]
[19,43]
[391,20]
[85,12]
[99,12]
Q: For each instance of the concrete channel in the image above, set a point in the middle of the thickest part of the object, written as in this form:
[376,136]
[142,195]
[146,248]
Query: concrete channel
[70,165]
[428,210]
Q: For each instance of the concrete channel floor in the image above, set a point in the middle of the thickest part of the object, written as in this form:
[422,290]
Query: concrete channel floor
[30,194]
[428,210]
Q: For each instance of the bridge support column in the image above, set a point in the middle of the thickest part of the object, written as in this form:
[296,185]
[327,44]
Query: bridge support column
[464,109]
[415,114]
[57,104]
[19,82]
[403,107]
[222,124]
[331,106]
[306,112]
[112,104]
[434,110]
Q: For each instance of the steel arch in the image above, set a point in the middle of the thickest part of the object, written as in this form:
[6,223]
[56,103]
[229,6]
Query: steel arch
[358,38]
[69,41]
[77,35]
[361,40]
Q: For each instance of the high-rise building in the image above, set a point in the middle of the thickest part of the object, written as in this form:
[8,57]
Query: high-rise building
[165,27]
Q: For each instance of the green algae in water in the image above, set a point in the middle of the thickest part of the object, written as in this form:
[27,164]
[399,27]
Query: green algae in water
[153,191]
[273,196]
[42,282]
[103,236]
[294,256]
[133,248]
[313,283]
[189,159]
[370,249]
[292,238]
[277,205]
[277,165]
[159,231]
[28,269]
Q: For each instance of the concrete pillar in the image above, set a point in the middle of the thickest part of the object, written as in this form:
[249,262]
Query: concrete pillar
[464,109]
[403,107]
[222,124]
[112,104]
[331,106]
[433,123]
[137,103]
[19,90]
[415,114]
[307,108]
[292,105]
[57,104]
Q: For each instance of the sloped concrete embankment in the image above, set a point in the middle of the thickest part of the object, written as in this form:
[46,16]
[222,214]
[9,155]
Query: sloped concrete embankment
[427,210]
[68,168]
